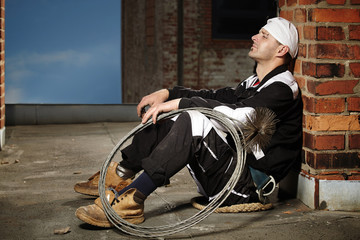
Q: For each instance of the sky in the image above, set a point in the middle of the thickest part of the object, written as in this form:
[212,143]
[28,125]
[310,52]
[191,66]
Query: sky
[63,51]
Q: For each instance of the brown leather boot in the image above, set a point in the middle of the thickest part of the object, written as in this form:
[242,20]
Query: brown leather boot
[112,180]
[129,206]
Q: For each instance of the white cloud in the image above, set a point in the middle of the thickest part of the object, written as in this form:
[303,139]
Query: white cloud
[35,77]
[66,57]
[13,95]
[69,57]
[23,65]
[17,74]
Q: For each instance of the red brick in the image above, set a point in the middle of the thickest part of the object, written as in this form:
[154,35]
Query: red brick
[354,32]
[300,32]
[287,15]
[333,160]
[302,50]
[2,100]
[301,81]
[323,70]
[354,104]
[297,66]
[150,41]
[336,2]
[333,122]
[311,161]
[346,160]
[2,78]
[2,34]
[354,176]
[324,105]
[324,142]
[150,31]
[334,51]
[309,32]
[300,15]
[334,15]
[330,70]
[281,3]
[309,68]
[330,33]
[291,2]
[308,2]
[355,69]
[150,3]
[332,87]
[330,105]
[2,122]
[354,141]
[355,1]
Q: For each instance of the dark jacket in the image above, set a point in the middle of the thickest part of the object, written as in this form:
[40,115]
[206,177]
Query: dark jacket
[279,92]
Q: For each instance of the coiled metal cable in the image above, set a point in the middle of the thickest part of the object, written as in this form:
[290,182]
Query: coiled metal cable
[159,231]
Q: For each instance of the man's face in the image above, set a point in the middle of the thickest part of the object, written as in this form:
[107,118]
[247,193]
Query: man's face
[264,46]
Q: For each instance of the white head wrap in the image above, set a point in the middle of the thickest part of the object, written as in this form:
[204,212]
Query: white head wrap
[285,32]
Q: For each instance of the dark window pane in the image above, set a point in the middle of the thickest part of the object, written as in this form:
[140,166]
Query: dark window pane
[238,19]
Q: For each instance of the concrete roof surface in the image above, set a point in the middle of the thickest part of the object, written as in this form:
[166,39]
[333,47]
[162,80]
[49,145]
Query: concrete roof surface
[41,163]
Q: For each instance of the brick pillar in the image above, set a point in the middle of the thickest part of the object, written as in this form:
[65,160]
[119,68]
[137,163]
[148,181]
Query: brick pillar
[328,71]
[169,41]
[2,73]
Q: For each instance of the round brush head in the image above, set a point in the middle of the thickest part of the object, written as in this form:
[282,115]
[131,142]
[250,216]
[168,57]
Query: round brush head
[259,128]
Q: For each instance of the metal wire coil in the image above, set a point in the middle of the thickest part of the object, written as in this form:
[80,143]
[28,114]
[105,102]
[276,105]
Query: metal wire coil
[158,231]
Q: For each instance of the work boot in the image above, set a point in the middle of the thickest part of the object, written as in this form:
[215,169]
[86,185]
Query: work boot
[112,180]
[129,206]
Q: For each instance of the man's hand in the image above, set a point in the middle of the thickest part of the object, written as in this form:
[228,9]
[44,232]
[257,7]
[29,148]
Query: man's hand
[156,109]
[151,100]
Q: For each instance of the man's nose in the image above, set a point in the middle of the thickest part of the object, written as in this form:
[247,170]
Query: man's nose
[254,37]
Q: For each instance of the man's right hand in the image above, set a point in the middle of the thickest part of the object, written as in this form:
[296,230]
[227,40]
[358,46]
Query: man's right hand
[151,99]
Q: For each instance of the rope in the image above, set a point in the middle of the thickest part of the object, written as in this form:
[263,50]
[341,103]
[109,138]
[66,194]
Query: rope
[158,231]
[237,208]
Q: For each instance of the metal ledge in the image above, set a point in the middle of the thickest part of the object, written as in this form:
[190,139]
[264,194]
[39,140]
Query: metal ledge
[36,114]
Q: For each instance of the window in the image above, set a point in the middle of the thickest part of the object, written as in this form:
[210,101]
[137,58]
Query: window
[64,51]
[238,19]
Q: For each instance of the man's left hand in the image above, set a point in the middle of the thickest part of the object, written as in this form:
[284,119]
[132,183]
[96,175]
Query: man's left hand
[157,109]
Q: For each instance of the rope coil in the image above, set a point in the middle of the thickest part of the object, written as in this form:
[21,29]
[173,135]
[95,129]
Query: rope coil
[159,231]
[236,208]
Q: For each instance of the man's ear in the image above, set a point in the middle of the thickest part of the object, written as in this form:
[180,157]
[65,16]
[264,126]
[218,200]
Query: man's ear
[282,50]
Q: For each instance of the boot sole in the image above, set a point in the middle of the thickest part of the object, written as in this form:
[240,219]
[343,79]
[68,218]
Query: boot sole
[89,192]
[107,224]
[92,221]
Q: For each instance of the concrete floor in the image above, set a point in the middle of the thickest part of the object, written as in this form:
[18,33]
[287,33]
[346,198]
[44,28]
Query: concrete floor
[41,163]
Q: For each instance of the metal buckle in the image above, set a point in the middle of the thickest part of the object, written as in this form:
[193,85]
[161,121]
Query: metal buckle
[267,189]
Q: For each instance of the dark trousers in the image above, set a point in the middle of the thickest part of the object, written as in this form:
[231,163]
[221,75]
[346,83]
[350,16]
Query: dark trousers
[163,149]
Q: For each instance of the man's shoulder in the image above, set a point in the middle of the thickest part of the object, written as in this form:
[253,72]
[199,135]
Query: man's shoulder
[285,78]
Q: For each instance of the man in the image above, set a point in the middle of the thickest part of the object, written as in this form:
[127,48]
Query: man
[193,140]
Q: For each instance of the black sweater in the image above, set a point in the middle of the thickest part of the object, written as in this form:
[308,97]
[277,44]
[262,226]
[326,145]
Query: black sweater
[279,92]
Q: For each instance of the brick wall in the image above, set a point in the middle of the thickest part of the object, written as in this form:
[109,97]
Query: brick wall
[208,62]
[328,71]
[222,62]
[2,73]
[167,35]
[150,49]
